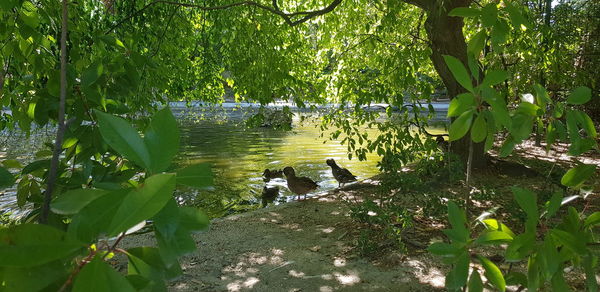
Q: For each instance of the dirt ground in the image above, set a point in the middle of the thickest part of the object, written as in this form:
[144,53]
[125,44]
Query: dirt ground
[298,246]
[311,245]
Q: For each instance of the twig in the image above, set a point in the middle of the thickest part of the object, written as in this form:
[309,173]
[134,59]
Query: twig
[53,172]
[83,262]
[286,16]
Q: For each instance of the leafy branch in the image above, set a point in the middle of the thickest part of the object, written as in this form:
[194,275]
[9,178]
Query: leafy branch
[275,10]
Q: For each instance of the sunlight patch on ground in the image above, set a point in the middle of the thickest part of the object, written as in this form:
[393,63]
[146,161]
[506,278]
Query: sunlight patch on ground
[425,274]
[349,279]
[328,229]
[239,284]
[296,274]
[325,289]
[339,262]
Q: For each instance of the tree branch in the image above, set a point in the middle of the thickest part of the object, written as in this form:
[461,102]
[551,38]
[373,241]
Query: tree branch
[423,4]
[3,74]
[275,10]
[53,172]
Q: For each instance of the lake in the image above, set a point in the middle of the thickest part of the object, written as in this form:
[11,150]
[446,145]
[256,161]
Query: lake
[238,156]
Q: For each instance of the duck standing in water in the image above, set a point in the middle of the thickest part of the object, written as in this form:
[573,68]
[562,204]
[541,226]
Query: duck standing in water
[342,175]
[298,185]
[271,174]
[269,194]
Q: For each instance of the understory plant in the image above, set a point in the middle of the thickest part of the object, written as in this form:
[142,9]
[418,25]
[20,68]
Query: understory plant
[548,245]
[73,251]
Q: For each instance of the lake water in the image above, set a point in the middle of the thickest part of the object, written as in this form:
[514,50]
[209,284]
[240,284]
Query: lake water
[238,156]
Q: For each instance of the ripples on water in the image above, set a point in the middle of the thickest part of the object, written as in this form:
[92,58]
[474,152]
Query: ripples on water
[238,156]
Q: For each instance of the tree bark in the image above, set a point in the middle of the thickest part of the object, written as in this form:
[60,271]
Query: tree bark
[446,37]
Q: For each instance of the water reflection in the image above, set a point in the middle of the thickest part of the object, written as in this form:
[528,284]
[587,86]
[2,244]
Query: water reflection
[240,155]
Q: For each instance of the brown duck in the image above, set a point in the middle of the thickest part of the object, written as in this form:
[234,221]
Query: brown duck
[269,194]
[342,175]
[271,174]
[299,185]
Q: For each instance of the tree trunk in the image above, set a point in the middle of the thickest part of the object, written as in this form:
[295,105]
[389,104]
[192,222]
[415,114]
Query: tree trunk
[445,34]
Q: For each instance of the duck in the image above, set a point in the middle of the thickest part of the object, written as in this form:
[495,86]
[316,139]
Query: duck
[342,175]
[271,174]
[298,185]
[269,194]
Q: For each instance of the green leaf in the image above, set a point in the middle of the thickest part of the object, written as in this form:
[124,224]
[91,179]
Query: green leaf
[12,163]
[551,135]
[493,224]
[590,265]
[143,202]
[489,15]
[47,277]
[464,12]
[494,237]
[475,283]
[592,220]
[549,258]
[578,175]
[94,218]
[508,146]
[473,67]
[516,17]
[521,246]
[8,5]
[98,276]
[477,43]
[162,140]
[36,165]
[197,175]
[558,283]
[533,274]
[527,200]
[461,103]
[460,126]
[494,77]
[444,249]
[193,219]
[491,131]
[580,95]
[457,278]
[492,272]
[516,278]
[499,109]
[119,135]
[6,178]
[542,97]
[479,130]
[73,201]
[147,262]
[554,204]
[91,74]
[574,243]
[29,245]
[499,34]
[459,72]
[173,238]
[580,146]
[586,123]
[528,109]
[521,127]
[458,221]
